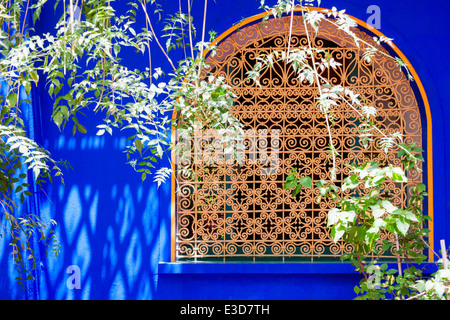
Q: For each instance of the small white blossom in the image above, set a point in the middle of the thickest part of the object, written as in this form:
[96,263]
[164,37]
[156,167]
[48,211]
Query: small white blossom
[314,18]
[369,111]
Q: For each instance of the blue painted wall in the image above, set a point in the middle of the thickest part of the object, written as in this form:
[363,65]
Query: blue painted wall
[116,229]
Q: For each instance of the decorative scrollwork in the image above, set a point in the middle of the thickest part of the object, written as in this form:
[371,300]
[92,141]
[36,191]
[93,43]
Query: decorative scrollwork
[231,210]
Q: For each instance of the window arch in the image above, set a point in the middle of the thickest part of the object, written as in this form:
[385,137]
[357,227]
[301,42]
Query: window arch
[242,212]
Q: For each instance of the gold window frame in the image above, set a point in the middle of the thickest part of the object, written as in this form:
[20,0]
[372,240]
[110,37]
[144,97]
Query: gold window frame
[238,38]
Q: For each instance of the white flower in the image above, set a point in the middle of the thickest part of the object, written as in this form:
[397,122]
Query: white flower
[334,12]
[383,39]
[328,63]
[397,135]
[369,111]
[354,97]
[387,143]
[314,18]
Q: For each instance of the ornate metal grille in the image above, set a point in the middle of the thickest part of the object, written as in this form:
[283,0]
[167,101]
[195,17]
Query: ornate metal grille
[242,212]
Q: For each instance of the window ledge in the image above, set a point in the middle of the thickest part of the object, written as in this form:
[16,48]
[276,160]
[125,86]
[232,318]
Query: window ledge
[268,268]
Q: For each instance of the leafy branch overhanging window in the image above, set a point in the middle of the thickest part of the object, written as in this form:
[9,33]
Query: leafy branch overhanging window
[242,212]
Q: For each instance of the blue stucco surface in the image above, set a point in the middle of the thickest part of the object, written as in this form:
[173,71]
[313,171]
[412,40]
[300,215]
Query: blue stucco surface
[117,229]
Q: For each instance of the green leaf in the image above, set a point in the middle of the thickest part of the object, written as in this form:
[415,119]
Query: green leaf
[138,144]
[420,258]
[290,184]
[159,150]
[391,271]
[411,216]
[290,177]
[306,182]
[116,49]
[337,232]
[58,118]
[371,238]
[297,190]
[36,15]
[82,129]
[12,99]
[34,75]
[402,226]
[27,86]
[386,247]
[350,182]
[64,111]
[50,89]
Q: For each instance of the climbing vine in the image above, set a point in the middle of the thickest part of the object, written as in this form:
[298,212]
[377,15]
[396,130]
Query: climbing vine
[82,68]
[359,219]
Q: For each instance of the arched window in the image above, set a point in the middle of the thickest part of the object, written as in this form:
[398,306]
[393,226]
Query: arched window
[233,212]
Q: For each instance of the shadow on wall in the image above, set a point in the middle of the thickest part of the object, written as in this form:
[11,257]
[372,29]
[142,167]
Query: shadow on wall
[9,289]
[108,224]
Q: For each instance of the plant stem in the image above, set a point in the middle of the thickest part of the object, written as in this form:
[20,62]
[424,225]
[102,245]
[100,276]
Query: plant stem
[203,37]
[190,29]
[429,247]
[444,261]
[358,256]
[417,296]
[399,263]
[149,55]
[316,74]
[182,29]
[25,19]
[290,27]
[154,35]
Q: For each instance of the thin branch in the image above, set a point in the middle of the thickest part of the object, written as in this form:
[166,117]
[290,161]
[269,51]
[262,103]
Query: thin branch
[444,262]
[429,247]
[72,16]
[154,35]
[65,28]
[25,18]
[204,25]
[399,263]
[320,92]
[203,35]
[417,296]
[149,55]
[182,30]
[290,27]
[190,29]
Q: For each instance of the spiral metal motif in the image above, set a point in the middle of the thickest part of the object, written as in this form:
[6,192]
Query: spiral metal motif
[232,211]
